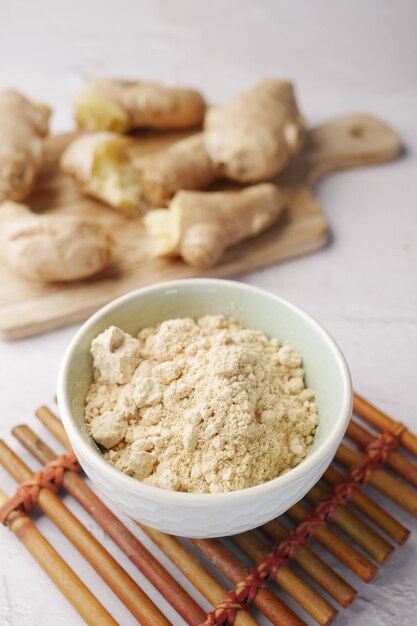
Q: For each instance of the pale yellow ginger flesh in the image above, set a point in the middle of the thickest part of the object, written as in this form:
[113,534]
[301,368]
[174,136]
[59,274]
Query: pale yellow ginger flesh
[121,105]
[252,137]
[51,248]
[23,125]
[164,229]
[200,226]
[101,165]
[94,113]
[116,180]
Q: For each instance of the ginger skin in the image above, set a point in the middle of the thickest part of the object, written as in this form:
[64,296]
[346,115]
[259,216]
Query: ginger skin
[253,137]
[101,165]
[50,248]
[200,226]
[183,165]
[248,140]
[122,105]
[23,125]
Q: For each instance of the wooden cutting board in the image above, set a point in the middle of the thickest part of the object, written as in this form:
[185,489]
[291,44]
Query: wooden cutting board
[28,308]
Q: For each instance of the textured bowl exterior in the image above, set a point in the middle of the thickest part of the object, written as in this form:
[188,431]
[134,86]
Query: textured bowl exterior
[209,515]
[196,521]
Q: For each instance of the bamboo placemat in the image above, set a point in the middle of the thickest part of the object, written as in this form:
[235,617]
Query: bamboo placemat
[331,506]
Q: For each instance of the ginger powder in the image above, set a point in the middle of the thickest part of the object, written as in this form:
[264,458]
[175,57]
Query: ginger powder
[202,406]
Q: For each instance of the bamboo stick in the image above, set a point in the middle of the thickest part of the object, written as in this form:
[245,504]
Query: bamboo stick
[230,566]
[54,425]
[206,584]
[370,508]
[362,534]
[272,606]
[63,577]
[294,585]
[341,549]
[314,566]
[384,482]
[266,601]
[381,421]
[110,571]
[396,461]
[184,604]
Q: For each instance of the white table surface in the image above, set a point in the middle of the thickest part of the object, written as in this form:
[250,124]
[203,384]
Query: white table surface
[357,56]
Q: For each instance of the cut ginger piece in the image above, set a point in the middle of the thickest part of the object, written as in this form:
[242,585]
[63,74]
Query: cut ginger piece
[100,164]
[122,105]
[199,226]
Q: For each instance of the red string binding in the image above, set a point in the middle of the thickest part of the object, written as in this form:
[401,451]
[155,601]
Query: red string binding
[224,614]
[27,494]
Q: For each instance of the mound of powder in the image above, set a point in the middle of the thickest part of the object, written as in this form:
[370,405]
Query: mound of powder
[200,406]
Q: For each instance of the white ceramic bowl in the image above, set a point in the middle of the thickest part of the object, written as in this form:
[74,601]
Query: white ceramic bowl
[209,515]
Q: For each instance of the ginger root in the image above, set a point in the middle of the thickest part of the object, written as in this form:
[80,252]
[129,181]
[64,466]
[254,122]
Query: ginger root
[122,105]
[252,137]
[101,165]
[200,226]
[249,140]
[23,124]
[183,165]
[51,248]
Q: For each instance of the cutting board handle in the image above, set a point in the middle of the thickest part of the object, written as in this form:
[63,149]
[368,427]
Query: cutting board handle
[350,141]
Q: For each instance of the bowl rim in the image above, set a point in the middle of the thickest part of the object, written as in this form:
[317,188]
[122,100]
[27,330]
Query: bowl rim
[139,488]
